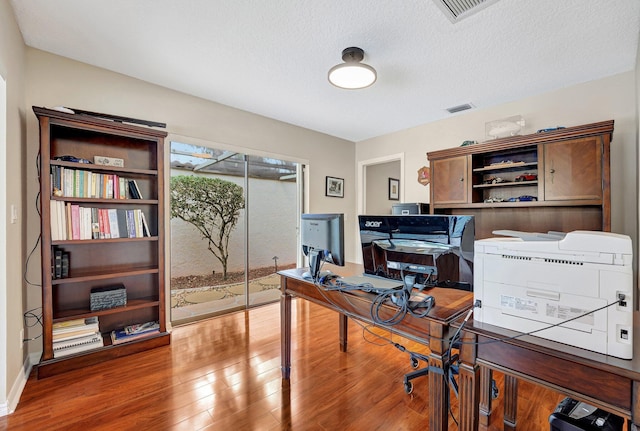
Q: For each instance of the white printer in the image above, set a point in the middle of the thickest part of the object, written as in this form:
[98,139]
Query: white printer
[531,281]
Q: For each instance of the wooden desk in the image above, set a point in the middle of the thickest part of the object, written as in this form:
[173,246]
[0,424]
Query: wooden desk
[433,330]
[603,381]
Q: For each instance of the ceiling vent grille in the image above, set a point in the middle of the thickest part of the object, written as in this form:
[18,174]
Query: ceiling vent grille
[456,10]
[459,108]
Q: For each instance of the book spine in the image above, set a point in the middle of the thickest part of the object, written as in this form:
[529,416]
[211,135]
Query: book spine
[131,224]
[75,221]
[113,223]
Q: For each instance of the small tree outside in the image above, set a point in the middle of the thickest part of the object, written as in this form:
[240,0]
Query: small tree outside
[212,205]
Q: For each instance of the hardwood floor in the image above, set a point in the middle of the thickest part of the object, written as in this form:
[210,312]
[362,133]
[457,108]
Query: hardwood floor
[224,374]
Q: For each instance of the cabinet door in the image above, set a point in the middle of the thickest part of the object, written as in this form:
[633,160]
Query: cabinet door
[573,170]
[449,180]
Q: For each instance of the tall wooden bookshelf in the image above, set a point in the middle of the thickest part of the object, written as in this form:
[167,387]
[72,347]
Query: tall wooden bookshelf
[135,261]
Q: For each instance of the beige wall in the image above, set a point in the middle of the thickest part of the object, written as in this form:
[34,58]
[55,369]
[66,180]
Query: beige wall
[377,187]
[12,246]
[605,99]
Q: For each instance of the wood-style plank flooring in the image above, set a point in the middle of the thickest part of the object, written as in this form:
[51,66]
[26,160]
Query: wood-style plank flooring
[224,374]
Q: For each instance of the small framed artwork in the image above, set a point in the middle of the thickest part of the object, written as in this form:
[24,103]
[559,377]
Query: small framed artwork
[335,187]
[394,189]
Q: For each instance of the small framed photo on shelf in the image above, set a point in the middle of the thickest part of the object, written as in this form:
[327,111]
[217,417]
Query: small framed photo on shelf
[335,187]
[394,189]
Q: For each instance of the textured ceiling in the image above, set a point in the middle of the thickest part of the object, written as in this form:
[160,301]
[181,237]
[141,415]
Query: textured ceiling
[271,57]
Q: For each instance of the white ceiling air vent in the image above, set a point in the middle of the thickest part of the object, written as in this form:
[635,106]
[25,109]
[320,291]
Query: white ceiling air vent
[459,108]
[456,10]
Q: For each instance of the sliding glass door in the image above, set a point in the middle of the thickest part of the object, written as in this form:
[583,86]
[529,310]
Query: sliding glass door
[233,226]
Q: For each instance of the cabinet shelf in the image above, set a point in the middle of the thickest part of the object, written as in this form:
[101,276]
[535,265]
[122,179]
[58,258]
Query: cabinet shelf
[101,168]
[505,184]
[52,367]
[103,241]
[83,313]
[507,167]
[107,201]
[567,203]
[78,277]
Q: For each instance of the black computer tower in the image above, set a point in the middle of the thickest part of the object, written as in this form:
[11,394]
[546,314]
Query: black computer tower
[409,208]
[573,415]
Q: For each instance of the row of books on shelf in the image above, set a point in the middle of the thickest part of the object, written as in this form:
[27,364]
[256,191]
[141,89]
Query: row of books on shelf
[71,221]
[81,183]
[80,335]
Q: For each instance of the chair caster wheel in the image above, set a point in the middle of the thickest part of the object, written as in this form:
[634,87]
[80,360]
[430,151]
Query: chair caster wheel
[408,387]
[494,390]
[414,363]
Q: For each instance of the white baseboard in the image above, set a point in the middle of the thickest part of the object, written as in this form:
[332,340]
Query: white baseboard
[18,386]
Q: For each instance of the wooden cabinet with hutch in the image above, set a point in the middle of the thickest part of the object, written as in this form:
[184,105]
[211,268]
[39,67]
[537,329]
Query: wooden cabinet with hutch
[550,181]
[134,261]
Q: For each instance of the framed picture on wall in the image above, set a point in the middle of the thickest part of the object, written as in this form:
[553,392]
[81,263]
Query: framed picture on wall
[335,187]
[394,189]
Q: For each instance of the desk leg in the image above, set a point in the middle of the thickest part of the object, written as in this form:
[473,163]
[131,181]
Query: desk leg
[285,332]
[469,383]
[344,325]
[510,402]
[485,395]
[635,407]
[438,390]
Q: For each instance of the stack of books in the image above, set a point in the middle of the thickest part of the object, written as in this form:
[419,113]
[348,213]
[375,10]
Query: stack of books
[75,336]
[134,332]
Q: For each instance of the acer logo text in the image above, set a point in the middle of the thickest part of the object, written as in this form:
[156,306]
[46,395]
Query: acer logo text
[372,223]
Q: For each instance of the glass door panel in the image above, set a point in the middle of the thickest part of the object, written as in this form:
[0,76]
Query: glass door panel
[272,213]
[246,218]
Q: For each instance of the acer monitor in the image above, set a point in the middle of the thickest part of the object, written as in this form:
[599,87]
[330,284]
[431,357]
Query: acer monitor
[322,238]
[436,250]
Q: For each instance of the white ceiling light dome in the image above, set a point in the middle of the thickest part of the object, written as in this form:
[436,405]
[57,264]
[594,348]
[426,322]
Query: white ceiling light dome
[352,74]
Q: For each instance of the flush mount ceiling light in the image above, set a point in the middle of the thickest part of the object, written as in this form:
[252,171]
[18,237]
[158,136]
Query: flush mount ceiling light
[352,74]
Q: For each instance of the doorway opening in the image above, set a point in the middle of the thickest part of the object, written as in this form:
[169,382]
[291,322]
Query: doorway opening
[232,231]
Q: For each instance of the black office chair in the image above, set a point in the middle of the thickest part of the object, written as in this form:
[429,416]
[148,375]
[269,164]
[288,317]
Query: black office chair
[451,369]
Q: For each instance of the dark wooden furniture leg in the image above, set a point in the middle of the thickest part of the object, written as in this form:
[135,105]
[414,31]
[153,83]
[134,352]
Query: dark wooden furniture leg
[469,384]
[485,396]
[344,325]
[510,402]
[285,330]
[634,423]
[437,387]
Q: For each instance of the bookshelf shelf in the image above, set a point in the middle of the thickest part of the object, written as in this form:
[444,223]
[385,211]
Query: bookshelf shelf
[103,241]
[134,304]
[77,201]
[132,202]
[84,275]
[101,168]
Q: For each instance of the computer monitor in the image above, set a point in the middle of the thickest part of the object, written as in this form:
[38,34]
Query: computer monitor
[322,237]
[437,250]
